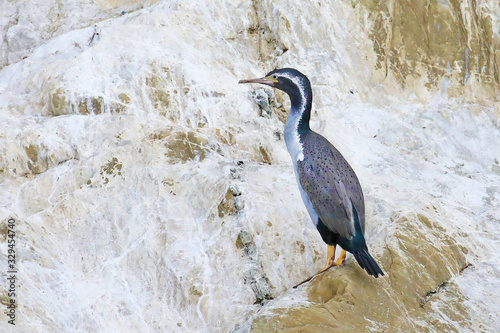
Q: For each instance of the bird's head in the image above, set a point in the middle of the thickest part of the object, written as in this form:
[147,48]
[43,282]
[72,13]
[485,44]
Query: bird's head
[290,80]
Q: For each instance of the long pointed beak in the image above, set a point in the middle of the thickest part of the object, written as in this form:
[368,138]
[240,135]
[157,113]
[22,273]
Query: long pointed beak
[260,80]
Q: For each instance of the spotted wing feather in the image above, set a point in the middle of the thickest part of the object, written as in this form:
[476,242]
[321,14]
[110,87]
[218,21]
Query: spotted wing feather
[331,185]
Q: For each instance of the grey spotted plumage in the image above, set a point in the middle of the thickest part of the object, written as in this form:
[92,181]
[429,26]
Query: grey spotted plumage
[328,185]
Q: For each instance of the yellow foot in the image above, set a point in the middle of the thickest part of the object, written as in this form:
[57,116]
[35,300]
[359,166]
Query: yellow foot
[329,263]
[341,258]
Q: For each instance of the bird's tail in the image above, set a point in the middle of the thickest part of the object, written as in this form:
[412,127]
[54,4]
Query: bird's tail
[366,261]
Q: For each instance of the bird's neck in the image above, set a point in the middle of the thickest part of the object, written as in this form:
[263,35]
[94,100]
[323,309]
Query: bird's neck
[297,123]
[300,111]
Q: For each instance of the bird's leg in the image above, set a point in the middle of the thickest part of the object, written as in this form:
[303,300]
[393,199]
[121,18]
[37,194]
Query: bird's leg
[330,258]
[341,258]
[330,262]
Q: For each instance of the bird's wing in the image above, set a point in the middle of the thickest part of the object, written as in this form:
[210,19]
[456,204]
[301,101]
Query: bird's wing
[332,187]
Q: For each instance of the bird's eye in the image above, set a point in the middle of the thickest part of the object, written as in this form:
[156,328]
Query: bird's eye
[275,76]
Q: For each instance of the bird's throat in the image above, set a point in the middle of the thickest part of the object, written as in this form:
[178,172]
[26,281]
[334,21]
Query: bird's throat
[297,125]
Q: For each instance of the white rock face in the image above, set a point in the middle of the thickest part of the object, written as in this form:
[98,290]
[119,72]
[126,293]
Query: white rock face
[150,193]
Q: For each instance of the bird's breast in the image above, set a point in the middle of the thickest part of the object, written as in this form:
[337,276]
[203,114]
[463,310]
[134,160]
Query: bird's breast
[293,139]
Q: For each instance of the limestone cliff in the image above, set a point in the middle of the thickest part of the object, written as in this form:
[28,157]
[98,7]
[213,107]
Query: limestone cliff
[151,192]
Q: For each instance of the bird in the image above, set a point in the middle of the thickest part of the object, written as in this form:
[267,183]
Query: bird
[328,185]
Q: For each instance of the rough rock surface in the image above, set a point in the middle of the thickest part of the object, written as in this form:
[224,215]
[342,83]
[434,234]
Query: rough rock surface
[151,192]
[348,300]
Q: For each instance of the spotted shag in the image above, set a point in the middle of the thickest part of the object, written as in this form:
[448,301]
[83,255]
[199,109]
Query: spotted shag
[328,185]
